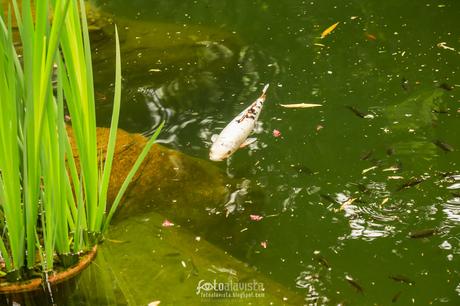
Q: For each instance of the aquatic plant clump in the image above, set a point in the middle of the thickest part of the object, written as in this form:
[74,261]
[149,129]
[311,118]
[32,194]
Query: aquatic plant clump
[51,207]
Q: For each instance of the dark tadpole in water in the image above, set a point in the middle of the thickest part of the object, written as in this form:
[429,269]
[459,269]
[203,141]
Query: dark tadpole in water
[302,169]
[446,86]
[424,233]
[402,279]
[444,145]
[356,111]
[322,260]
[396,297]
[390,151]
[413,181]
[440,111]
[366,155]
[354,284]
[405,84]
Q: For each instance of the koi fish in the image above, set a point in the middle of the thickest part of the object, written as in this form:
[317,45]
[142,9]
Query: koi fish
[235,134]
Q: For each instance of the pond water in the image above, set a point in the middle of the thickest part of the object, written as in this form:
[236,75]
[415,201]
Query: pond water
[360,197]
[341,194]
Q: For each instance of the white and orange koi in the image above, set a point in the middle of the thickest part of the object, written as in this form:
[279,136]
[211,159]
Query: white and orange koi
[235,134]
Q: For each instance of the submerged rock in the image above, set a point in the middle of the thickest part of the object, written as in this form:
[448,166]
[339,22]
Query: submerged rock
[149,262]
[148,258]
[156,52]
[179,186]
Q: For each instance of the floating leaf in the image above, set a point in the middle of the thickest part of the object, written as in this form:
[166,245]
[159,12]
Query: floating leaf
[392,168]
[329,30]
[370,36]
[167,223]
[444,45]
[369,169]
[300,105]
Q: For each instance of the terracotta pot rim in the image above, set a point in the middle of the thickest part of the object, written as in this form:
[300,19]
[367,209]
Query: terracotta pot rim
[53,277]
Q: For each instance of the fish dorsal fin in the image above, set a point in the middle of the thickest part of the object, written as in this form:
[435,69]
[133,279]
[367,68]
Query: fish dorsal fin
[247,142]
[214,138]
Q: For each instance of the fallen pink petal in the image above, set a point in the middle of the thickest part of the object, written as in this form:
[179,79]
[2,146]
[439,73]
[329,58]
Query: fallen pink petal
[276,133]
[167,223]
[264,244]
[255,217]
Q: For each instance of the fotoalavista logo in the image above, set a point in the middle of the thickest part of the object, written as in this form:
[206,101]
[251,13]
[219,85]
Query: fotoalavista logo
[230,289]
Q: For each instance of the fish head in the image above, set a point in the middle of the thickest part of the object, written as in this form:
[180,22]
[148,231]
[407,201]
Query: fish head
[220,150]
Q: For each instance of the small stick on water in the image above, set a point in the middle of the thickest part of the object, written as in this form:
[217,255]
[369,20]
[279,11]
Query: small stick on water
[423,233]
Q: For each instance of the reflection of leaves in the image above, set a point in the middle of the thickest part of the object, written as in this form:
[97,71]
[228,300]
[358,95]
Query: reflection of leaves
[416,111]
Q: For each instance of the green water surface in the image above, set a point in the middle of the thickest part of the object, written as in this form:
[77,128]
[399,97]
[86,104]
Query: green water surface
[335,189]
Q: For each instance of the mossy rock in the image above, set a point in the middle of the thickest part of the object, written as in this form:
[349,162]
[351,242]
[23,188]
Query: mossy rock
[169,182]
[150,262]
